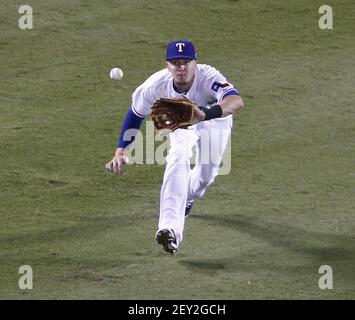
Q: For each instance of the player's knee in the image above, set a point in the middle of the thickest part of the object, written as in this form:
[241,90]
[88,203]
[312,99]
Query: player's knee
[208,178]
[206,181]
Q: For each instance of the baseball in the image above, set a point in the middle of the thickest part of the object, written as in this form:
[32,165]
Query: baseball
[116,74]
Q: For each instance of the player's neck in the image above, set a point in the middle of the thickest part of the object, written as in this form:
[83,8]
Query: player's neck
[182,88]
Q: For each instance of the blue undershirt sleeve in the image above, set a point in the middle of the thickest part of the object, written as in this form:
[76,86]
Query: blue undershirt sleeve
[130,127]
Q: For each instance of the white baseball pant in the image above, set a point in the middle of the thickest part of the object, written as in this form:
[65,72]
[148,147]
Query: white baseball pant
[181,183]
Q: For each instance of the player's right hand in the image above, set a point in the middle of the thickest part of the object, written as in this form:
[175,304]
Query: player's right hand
[116,164]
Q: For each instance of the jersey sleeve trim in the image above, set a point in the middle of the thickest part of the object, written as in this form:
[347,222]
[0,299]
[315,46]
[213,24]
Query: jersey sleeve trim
[137,113]
[229,92]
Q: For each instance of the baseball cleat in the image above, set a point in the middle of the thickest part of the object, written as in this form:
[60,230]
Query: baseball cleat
[188,208]
[166,238]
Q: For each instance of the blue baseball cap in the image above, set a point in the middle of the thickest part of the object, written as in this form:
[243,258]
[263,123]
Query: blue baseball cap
[180,49]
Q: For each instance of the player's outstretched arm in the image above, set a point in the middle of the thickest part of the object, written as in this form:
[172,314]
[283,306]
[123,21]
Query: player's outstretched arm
[130,125]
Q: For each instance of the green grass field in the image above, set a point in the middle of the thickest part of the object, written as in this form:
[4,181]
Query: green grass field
[261,232]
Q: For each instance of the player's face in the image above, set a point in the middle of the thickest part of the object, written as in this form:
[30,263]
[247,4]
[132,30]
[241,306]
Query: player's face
[182,70]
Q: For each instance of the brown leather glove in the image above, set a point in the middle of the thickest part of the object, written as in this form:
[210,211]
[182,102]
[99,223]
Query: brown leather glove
[170,114]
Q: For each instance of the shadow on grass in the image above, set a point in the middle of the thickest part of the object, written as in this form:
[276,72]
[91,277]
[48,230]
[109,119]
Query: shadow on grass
[89,228]
[316,247]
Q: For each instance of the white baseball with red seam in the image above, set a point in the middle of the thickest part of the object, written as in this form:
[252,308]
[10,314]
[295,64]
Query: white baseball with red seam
[116,74]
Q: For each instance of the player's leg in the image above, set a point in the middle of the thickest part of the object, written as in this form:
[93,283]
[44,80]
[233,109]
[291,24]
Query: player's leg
[174,188]
[214,136]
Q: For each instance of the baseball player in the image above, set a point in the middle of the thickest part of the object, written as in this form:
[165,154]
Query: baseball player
[216,100]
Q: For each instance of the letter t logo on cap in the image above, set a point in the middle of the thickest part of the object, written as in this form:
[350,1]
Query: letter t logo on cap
[180,45]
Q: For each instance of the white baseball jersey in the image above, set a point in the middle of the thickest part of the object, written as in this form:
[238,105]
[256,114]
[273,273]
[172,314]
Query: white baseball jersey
[209,86]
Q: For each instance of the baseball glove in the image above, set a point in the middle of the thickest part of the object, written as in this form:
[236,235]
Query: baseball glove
[170,114]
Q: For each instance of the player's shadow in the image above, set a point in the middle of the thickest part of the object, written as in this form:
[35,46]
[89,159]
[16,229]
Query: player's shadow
[81,230]
[317,247]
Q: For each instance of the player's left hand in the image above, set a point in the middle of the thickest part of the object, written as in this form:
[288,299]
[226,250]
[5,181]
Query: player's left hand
[199,115]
